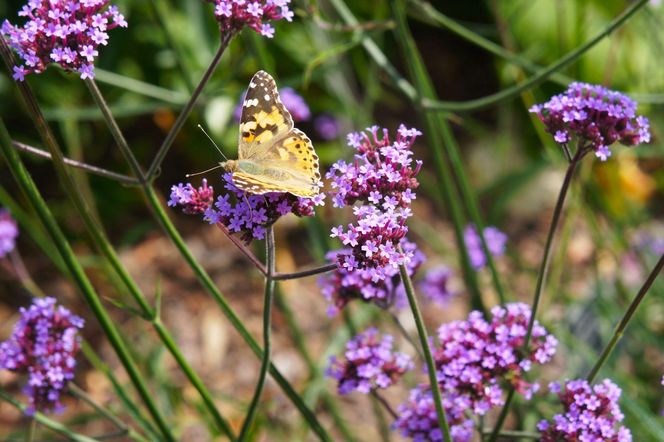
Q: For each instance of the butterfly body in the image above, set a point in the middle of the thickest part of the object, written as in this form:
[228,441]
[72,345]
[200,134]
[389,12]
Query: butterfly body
[273,156]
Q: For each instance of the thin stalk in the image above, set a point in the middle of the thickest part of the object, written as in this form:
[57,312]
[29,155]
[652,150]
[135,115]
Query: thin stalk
[207,282]
[620,328]
[515,434]
[45,421]
[380,398]
[261,268]
[115,130]
[86,288]
[124,179]
[426,349]
[405,334]
[32,429]
[23,275]
[436,131]
[184,114]
[541,276]
[300,343]
[267,325]
[383,428]
[510,92]
[135,291]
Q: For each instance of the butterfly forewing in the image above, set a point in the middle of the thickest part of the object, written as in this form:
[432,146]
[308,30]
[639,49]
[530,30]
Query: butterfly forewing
[264,117]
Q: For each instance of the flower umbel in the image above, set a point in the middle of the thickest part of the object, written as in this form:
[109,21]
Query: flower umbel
[475,358]
[382,179]
[249,214]
[193,201]
[233,15]
[369,363]
[590,414]
[64,32]
[435,284]
[342,286]
[8,233]
[418,419]
[327,126]
[595,117]
[495,242]
[43,345]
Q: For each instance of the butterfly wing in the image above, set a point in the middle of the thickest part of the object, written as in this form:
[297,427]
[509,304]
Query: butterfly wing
[264,117]
[282,158]
[290,165]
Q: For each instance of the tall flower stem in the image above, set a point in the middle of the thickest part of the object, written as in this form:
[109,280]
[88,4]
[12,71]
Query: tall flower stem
[267,325]
[620,328]
[31,430]
[426,349]
[78,275]
[184,114]
[541,276]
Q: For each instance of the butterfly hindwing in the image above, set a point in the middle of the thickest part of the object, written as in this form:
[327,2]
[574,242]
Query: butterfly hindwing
[273,155]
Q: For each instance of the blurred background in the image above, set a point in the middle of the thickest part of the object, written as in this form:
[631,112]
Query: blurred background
[605,248]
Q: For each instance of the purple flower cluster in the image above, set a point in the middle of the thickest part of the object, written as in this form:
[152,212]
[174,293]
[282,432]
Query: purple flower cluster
[233,15]
[382,179]
[8,233]
[44,345]
[594,116]
[591,414]
[434,285]
[193,201]
[418,419]
[249,214]
[495,242]
[474,358]
[327,127]
[369,363]
[342,286]
[63,32]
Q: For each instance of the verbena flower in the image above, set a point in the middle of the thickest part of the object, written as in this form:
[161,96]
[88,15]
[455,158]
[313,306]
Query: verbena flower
[291,100]
[43,345]
[193,201]
[8,233]
[295,104]
[495,242]
[382,179]
[593,116]
[342,286]
[368,363]
[68,33]
[418,419]
[233,15]
[475,359]
[250,214]
[590,414]
[327,127]
[434,285]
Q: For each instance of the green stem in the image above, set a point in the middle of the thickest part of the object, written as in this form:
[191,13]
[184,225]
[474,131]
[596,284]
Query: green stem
[230,314]
[115,130]
[267,325]
[182,118]
[510,92]
[135,291]
[32,429]
[45,421]
[620,328]
[541,276]
[426,349]
[78,274]
[439,134]
[124,179]
[515,434]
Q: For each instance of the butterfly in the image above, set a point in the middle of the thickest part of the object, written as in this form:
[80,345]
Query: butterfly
[273,156]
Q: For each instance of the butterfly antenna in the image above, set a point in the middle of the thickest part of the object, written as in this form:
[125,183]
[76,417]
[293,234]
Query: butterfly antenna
[218,166]
[213,143]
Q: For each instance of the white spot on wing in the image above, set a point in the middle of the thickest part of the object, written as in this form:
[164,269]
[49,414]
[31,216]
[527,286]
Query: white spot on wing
[252,85]
[267,97]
